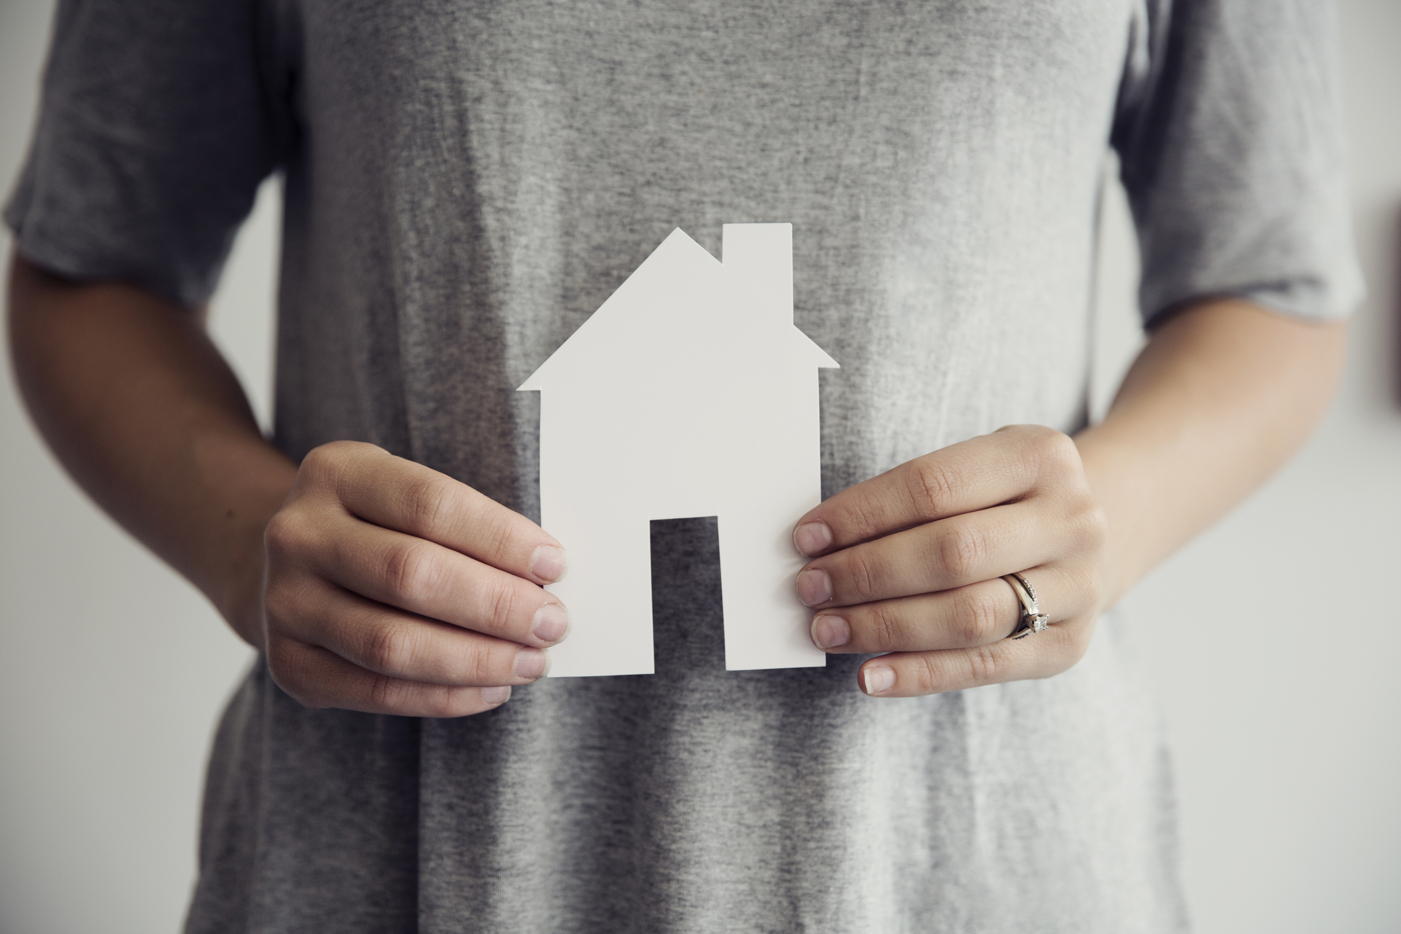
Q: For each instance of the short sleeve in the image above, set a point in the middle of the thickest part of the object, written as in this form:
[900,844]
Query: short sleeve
[155,129]
[1231,152]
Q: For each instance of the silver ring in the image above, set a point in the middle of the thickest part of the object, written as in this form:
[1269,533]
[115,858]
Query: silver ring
[1032,619]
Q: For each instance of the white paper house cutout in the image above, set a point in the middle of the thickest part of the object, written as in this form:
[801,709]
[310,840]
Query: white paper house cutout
[688,393]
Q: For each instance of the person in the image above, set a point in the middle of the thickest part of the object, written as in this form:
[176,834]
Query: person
[464,182]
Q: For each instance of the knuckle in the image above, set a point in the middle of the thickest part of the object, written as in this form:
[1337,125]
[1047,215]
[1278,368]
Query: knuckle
[983,665]
[280,667]
[862,575]
[1055,452]
[325,463]
[501,604]
[495,535]
[933,488]
[1092,525]
[862,518]
[409,568]
[1043,439]
[885,629]
[317,460]
[390,648]
[276,534]
[442,702]
[279,602]
[386,692]
[924,672]
[427,502]
[284,535]
[289,671]
[961,551]
[980,617]
[464,702]
[481,667]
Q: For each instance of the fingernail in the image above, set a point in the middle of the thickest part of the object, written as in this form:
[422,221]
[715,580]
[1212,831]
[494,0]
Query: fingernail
[531,663]
[495,695]
[549,563]
[878,680]
[828,632]
[812,538]
[551,622]
[814,586]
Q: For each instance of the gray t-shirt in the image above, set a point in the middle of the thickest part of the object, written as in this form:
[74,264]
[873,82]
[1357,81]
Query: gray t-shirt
[466,181]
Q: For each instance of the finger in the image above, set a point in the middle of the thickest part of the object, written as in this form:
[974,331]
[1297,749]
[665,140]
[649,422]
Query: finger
[914,674]
[429,580]
[317,677]
[977,614]
[398,494]
[389,642]
[964,477]
[942,555]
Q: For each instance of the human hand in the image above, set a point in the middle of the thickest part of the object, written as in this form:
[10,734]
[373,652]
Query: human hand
[392,588]
[910,563]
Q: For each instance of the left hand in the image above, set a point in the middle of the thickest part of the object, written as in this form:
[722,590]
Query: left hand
[911,564]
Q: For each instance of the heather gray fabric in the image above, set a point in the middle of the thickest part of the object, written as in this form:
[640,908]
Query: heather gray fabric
[467,181]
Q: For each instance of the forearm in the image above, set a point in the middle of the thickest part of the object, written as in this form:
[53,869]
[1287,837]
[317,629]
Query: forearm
[142,410]
[1220,397]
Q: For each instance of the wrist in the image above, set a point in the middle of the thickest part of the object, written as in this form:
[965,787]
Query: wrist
[1113,477]
[250,482]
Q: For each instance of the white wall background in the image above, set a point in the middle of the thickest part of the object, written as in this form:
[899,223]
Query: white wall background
[1274,640]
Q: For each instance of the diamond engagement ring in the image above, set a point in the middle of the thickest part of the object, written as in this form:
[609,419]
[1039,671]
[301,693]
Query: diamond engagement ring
[1032,619]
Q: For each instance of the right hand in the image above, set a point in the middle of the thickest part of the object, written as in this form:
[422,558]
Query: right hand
[394,589]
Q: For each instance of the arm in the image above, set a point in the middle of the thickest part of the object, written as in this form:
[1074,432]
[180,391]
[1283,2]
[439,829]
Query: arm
[1221,397]
[370,582]
[141,409]
[909,562]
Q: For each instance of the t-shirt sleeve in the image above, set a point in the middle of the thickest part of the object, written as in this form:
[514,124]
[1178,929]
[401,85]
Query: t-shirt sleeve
[1232,156]
[155,129]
